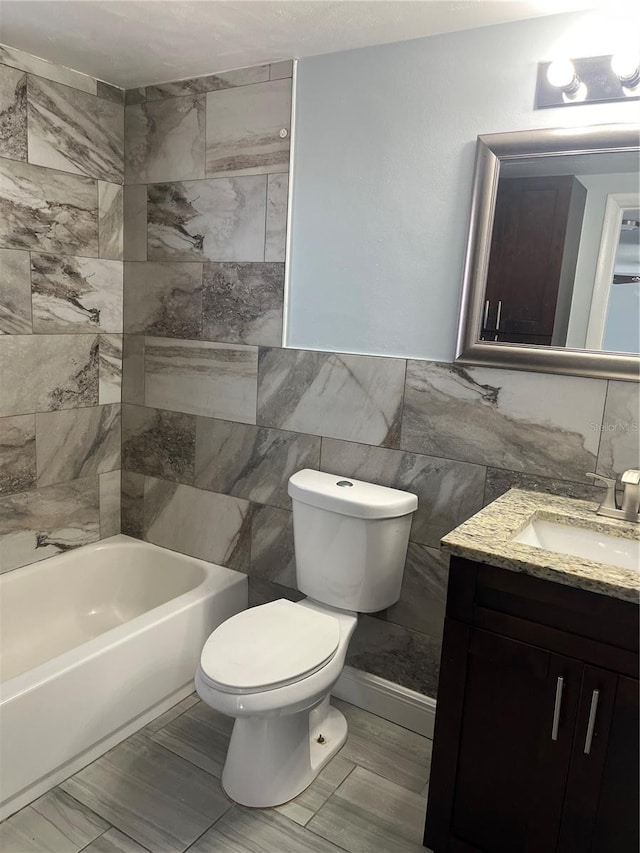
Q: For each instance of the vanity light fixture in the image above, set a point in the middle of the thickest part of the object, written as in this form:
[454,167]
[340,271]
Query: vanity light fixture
[590,80]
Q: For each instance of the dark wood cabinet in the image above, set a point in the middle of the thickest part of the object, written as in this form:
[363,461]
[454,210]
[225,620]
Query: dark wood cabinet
[532,263]
[536,738]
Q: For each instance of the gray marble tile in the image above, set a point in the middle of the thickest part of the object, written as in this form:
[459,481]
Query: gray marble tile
[384,748]
[423,595]
[170,715]
[358,398]
[110,369]
[114,841]
[132,504]
[243,303]
[159,444]
[110,487]
[251,462]
[216,380]
[74,131]
[276,228]
[109,92]
[110,220]
[199,735]
[17,454]
[13,113]
[47,211]
[279,70]
[15,286]
[243,129]
[27,62]
[72,295]
[531,422]
[370,813]
[397,654]
[210,83]
[43,522]
[165,140]
[211,527]
[264,830]
[305,805]
[163,299]
[498,482]
[262,591]
[54,823]
[77,443]
[133,369]
[135,222]
[272,552]
[619,430]
[156,798]
[448,492]
[221,219]
[62,371]
[135,96]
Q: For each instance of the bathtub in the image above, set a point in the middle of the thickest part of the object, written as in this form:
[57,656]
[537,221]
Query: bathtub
[94,644]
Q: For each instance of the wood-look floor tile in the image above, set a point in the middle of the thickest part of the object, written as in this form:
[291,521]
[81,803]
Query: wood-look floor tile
[200,735]
[55,823]
[114,841]
[305,805]
[151,794]
[170,715]
[260,831]
[368,813]
[400,755]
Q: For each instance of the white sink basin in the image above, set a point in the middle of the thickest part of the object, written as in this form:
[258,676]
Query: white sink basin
[580,542]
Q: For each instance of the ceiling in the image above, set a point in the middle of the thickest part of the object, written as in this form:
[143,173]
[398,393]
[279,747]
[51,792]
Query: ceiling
[137,42]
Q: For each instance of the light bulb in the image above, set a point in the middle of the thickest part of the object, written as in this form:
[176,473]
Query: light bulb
[561,73]
[626,66]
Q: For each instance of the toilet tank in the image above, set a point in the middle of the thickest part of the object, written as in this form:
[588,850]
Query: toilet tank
[350,540]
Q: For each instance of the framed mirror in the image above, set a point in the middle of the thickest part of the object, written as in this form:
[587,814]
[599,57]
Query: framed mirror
[552,267]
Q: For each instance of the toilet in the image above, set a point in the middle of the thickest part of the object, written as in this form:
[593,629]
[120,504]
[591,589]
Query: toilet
[272,667]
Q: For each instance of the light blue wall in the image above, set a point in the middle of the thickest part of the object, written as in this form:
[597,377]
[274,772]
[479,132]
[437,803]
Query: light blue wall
[384,148]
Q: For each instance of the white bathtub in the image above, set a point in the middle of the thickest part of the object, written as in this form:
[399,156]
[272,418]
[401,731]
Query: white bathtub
[94,644]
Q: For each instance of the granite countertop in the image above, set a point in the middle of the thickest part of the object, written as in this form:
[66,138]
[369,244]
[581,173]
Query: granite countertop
[487,536]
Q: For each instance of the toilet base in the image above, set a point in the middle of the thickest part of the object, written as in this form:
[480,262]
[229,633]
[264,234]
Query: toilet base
[273,759]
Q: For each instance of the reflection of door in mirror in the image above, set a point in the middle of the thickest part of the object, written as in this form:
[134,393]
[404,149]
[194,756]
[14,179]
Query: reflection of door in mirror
[532,262]
[614,318]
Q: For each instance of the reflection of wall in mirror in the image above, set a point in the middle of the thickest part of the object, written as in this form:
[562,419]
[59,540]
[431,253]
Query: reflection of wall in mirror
[599,187]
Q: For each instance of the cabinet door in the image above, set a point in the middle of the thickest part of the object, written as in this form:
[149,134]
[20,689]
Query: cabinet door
[601,810]
[515,744]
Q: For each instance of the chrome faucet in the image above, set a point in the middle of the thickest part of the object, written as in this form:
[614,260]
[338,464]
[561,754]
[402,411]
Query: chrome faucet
[629,509]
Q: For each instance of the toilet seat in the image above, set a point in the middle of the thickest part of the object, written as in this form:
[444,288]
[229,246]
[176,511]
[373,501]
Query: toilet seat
[268,646]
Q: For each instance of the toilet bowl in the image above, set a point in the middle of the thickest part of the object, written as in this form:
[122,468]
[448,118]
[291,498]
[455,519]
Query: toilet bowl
[272,667]
[285,730]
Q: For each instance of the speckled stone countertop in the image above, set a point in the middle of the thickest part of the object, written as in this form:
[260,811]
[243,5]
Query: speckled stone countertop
[487,538]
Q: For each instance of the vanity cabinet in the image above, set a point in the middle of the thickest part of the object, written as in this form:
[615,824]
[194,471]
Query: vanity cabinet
[536,736]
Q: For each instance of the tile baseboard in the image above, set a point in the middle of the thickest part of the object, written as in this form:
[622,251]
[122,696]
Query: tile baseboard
[383,698]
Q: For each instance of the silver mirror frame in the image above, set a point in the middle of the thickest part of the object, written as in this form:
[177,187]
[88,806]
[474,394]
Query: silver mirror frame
[491,150]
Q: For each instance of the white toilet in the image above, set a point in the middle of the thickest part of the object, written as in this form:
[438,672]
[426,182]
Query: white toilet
[272,667]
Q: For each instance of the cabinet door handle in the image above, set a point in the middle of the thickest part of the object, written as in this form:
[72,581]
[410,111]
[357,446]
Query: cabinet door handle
[486,314]
[593,710]
[556,710]
[498,314]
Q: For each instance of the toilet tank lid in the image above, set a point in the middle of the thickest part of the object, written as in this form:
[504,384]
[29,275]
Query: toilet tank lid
[347,496]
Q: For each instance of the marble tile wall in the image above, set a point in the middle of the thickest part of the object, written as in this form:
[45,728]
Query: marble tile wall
[61,307]
[216,414]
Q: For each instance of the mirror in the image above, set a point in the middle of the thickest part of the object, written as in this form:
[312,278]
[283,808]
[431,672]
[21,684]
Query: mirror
[552,269]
